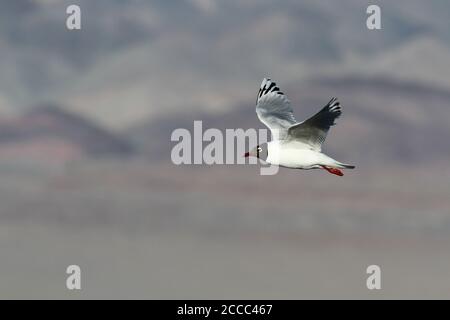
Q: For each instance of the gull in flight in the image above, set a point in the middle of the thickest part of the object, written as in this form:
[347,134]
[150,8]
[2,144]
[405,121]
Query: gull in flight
[294,144]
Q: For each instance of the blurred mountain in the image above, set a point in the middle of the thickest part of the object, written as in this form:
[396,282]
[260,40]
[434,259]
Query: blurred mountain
[421,60]
[384,121]
[52,134]
[140,59]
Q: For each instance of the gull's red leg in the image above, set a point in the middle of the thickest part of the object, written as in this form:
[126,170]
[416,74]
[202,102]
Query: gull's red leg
[333,171]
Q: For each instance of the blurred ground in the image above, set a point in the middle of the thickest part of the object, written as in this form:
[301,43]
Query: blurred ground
[177,234]
[197,264]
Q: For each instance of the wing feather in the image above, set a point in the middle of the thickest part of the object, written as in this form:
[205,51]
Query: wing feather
[274,109]
[314,130]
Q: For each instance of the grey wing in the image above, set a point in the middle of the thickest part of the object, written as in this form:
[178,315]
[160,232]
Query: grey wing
[314,130]
[274,109]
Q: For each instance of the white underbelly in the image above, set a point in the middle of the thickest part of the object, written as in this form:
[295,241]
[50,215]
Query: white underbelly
[292,157]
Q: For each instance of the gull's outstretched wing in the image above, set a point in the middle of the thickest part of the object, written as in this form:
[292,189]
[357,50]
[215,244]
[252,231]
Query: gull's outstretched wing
[314,130]
[274,109]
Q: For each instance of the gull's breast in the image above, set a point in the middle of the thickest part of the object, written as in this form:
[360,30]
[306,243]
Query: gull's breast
[292,156]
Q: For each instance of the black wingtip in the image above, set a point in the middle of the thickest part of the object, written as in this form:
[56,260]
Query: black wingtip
[333,101]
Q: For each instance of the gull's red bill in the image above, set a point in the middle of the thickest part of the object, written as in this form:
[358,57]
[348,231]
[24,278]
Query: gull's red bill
[247,154]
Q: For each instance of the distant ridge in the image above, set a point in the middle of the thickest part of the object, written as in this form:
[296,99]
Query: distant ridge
[401,122]
[48,124]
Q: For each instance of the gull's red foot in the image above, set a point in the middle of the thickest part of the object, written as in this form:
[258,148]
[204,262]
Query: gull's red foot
[333,171]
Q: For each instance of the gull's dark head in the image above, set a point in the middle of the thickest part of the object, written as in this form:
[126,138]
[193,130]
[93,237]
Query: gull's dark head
[260,151]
